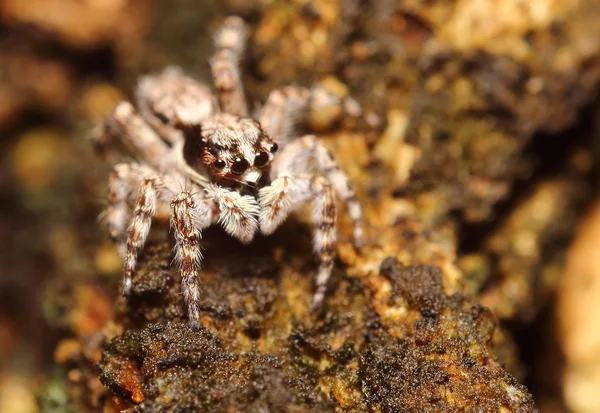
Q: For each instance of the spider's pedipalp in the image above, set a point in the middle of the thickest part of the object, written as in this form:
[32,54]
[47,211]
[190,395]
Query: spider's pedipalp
[276,202]
[237,213]
[186,222]
[230,41]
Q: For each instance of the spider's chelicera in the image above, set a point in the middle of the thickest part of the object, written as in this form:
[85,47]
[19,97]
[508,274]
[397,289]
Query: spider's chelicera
[243,174]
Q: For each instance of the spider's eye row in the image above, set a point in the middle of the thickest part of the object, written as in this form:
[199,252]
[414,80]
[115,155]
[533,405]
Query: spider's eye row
[220,164]
[239,166]
[274,147]
[261,159]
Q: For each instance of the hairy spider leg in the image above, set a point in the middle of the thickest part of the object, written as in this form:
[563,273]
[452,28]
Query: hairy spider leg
[230,41]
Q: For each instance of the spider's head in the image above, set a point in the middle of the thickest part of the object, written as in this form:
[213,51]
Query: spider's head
[229,148]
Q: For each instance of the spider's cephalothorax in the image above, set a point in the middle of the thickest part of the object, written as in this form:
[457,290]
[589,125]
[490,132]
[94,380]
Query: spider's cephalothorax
[230,149]
[207,160]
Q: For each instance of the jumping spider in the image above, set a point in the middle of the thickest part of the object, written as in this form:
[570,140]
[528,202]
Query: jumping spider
[212,163]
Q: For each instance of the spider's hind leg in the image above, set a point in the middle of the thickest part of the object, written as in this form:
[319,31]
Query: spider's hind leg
[284,108]
[230,41]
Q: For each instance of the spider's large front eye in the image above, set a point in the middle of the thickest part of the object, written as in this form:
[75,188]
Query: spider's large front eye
[239,166]
[220,164]
[261,159]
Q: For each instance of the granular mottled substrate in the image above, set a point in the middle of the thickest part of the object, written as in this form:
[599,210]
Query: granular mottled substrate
[446,363]
[254,355]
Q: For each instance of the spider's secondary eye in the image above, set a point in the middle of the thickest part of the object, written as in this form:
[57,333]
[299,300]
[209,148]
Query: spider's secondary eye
[239,166]
[220,164]
[261,159]
[274,147]
[163,118]
[203,141]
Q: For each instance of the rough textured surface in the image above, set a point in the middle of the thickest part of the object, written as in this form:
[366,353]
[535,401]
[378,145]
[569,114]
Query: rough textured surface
[438,357]
[454,187]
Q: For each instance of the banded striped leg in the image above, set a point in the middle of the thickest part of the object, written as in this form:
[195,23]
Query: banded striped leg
[144,211]
[123,177]
[189,216]
[328,165]
[288,193]
[230,40]
[325,235]
[297,156]
[170,99]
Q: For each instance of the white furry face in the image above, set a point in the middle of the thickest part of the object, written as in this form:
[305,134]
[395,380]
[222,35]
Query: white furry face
[230,148]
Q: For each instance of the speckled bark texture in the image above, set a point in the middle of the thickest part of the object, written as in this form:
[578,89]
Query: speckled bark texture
[469,203]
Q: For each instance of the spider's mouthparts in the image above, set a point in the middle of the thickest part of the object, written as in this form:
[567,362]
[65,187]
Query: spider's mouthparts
[252,176]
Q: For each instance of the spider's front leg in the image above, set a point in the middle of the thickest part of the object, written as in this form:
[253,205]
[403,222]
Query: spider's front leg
[237,213]
[287,193]
[189,216]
